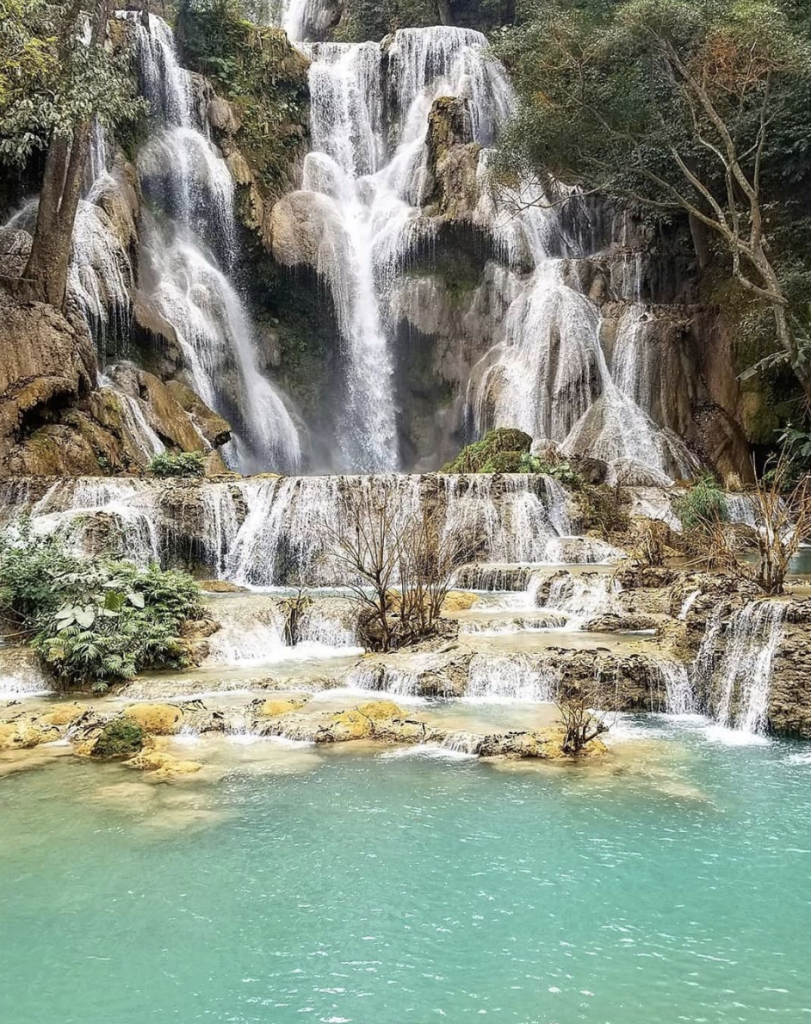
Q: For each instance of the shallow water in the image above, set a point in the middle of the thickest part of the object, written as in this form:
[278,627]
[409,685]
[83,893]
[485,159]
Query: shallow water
[671,884]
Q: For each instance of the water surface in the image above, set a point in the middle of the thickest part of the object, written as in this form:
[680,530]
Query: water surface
[305,886]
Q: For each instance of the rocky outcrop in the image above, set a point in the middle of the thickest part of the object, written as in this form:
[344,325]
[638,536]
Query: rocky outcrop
[452,188]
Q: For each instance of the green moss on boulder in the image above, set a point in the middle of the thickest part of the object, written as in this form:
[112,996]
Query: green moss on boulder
[498,449]
[119,738]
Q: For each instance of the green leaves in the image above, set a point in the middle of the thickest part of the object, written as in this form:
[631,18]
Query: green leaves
[190,464]
[91,621]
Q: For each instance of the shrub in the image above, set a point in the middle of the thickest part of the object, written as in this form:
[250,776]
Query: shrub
[177,464]
[473,458]
[605,508]
[704,503]
[92,621]
[119,738]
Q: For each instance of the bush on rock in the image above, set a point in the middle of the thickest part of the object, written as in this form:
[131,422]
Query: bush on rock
[93,622]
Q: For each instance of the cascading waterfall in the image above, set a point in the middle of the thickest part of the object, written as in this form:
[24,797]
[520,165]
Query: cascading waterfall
[183,172]
[737,683]
[580,596]
[510,677]
[745,672]
[512,518]
[275,531]
[680,696]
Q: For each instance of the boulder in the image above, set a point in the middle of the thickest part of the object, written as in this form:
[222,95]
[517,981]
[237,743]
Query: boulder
[155,719]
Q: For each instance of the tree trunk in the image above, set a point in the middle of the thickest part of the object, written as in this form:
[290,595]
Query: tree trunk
[46,273]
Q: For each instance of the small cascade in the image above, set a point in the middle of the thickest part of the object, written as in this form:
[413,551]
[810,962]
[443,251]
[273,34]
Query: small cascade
[91,512]
[462,743]
[679,694]
[744,674]
[741,509]
[220,526]
[247,634]
[21,674]
[581,596]
[501,578]
[383,678]
[100,276]
[510,677]
[510,518]
[286,534]
[142,434]
[688,603]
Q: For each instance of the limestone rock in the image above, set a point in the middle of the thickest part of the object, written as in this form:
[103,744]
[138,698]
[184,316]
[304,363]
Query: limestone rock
[155,719]
[47,363]
[281,706]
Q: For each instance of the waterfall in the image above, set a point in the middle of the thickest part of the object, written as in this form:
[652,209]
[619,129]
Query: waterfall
[510,677]
[286,535]
[506,517]
[688,603]
[581,596]
[737,683]
[183,266]
[679,694]
[745,672]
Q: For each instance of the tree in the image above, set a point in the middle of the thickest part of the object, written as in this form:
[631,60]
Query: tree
[674,105]
[398,569]
[56,77]
[580,723]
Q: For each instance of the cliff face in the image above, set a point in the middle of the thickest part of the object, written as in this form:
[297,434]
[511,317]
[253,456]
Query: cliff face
[448,307]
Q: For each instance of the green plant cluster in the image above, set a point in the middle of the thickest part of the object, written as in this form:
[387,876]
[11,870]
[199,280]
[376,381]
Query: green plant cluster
[119,738]
[702,504]
[498,448]
[506,450]
[190,464]
[93,622]
[259,72]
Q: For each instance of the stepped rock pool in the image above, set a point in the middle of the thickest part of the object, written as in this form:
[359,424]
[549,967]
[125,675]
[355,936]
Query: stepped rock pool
[387,886]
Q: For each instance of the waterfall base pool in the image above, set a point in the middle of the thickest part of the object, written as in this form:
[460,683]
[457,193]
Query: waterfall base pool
[670,885]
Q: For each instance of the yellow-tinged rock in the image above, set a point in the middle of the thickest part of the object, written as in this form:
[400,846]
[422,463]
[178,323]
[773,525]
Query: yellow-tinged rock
[8,734]
[63,714]
[378,709]
[158,719]
[458,601]
[163,764]
[281,706]
[353,725]
[85,748]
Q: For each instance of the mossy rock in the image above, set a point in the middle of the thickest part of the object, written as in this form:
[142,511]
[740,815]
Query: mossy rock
[119,738]
[499,451]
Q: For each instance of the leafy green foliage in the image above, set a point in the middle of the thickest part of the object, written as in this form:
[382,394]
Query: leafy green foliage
[260,73]
[506,450]
[92,621]
[119,738]
[177,464]
[663,103]
[476,457]
[51,79]
[702,504]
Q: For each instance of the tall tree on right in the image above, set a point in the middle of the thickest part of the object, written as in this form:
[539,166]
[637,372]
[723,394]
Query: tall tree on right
[672,105]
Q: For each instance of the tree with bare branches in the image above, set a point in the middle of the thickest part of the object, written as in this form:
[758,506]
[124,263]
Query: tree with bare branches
[675,105]
[581,722]
[399,569]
